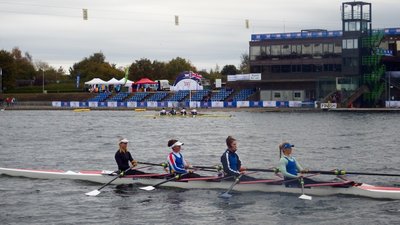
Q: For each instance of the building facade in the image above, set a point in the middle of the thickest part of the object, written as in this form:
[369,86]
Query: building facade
[349,65]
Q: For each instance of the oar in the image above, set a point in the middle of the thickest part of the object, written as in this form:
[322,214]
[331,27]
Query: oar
[344,172]
[303,196]
[165,165]
[150,188]
[226,193]
[97,191]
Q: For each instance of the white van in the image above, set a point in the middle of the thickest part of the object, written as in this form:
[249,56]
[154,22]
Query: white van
[164,85]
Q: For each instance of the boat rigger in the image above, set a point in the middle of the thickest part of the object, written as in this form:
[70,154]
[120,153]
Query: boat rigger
[343,187]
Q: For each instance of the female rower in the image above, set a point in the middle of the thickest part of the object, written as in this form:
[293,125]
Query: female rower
[290,168]
[176,163]
[163,112]
[231,162]
[183,112]
[123,157]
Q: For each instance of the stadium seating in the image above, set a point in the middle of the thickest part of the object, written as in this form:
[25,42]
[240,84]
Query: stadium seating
[221,95]
[179,96]
[156,97]
[100,97]
[243,94]
[119,97]
[138,96]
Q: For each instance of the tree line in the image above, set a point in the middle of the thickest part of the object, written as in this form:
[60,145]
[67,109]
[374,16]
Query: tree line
[18,69]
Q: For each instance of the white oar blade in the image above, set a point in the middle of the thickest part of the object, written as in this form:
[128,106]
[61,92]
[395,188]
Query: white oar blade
[147,188]
[305,197]
[93,193]
[225,195]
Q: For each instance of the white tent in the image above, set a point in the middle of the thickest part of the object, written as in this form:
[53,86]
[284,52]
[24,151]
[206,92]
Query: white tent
[187,84]
[128,82]
[95,81]
[114,81]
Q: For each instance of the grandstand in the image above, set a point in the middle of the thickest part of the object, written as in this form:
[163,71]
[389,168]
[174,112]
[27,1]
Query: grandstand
[221,95]
[243,95]
[138,97]
[100,97]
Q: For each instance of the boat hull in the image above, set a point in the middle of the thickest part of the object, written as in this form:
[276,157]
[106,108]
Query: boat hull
[103,176]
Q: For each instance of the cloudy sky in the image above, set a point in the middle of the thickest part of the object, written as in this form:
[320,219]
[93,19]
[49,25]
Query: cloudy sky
[210,32]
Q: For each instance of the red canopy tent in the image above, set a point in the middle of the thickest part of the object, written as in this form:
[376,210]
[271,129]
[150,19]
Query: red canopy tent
[145,80]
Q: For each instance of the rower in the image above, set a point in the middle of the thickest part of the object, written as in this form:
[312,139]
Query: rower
[176,163]
[290,168]
[231,162]
[183,111]
[123,157]
[172,112]
[163,112]
[193,112]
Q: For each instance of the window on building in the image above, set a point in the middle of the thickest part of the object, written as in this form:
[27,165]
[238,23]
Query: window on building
[277,94]
[275,69]
[286,50]
[266,50]
[318,68]
[350,62]
[337,49]
[286,69]
[297,94]
[275,50]
[306,68]
[350,43]
[296,68]
[254,52]
[306,49]
[327,48]
[317,49]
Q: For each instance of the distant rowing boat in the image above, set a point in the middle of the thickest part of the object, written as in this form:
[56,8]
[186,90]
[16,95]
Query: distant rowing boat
[82,110]
[344,187]
[190,116]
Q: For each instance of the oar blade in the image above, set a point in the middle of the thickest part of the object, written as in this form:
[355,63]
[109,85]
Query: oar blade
[93,193]
[225,195]
[147,188]
[305,197]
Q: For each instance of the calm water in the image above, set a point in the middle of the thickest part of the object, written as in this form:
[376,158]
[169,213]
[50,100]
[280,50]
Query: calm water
[88,140]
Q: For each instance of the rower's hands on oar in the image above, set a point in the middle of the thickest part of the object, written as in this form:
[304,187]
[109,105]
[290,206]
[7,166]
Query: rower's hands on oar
[134,163]
[242,170]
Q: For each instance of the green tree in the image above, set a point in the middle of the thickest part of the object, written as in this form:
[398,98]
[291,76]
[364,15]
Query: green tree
[95,66]
[159,70]
[245,63]
[141,68]
[8,70]
[176,66]
[229,70]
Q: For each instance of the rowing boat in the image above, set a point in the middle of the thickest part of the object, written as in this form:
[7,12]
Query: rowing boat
[213,182]
[82,110]
[190,116]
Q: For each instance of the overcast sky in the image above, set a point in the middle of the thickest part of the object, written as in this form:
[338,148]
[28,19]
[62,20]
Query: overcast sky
[210,32]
